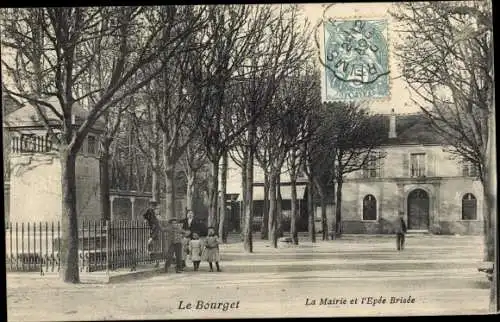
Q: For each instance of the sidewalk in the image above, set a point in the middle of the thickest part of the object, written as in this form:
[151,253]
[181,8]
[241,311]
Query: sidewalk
[99,277]
[374,254]
[439,272]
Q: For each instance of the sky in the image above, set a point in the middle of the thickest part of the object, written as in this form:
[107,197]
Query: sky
[399,98]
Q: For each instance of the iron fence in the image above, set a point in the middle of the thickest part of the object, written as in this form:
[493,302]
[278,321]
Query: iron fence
[32,247]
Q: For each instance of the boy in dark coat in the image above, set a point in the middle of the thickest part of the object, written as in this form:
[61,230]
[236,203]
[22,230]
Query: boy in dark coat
[400,232]
[174,236]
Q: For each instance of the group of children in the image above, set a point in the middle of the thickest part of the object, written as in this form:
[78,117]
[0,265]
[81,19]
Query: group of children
[196,250]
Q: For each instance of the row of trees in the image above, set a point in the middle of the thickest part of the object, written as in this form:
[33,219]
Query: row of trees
[177,87]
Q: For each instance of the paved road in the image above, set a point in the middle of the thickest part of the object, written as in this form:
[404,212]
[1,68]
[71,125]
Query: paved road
[353,276]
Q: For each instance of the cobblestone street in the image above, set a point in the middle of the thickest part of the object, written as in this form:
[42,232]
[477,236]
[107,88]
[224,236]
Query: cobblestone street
[352,276]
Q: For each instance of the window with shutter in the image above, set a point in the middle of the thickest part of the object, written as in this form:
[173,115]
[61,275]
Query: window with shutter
[381,160]
[372,166]
[431,172]
[469,207]
[465,169]
[406,165]
[469,169]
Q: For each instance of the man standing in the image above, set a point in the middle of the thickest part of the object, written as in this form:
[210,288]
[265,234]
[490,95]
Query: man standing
[151,217]
[189,223]
[174,244]
[400,232]
[193,225]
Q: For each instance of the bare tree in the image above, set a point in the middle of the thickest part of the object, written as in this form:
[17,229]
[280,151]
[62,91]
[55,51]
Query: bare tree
[304,101]
[358,135]
[237,30]
[148,143]
[284,129]
[285,49]
[193,160]
[447,56]
[50,56]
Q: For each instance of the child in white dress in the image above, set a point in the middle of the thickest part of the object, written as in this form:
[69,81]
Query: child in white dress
[195,250]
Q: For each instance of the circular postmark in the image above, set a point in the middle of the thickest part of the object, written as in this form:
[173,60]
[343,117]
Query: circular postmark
[357,58]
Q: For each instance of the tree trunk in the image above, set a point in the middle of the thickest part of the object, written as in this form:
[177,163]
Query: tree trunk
[243,193]
[169,170]
[279,209]
[264,232]
[334,205]
[130,159]
[222,220]
[69,221]
[190,190]
[247,234]
[272,210]
[338,209]
[324,225]
[105,181]
[293,219]
[310,210]
[155,177]
[322,200]
[213,193]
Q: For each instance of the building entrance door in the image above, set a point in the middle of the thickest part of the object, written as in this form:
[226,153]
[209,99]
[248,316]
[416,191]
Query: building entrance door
[418,210]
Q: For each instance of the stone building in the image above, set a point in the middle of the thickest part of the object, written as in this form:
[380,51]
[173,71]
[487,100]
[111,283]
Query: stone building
[32,180]
[35,170]
[435,190]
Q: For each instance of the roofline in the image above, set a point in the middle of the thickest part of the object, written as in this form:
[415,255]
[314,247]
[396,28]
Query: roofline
[409,144]
[39,127]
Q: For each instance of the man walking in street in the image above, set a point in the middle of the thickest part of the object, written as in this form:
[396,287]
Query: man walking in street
[174,243]
[400,232]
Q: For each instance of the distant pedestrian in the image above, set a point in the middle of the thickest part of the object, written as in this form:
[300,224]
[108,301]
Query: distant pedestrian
[211,249]
[195,247]
[185,247]
[174,245]
[400,229]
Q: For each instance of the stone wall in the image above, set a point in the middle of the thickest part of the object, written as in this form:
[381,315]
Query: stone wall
[35,188]
[88,189]
[445,209]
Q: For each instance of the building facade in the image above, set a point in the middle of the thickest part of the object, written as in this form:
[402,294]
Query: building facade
[435,190]
[35,169]
[415,176]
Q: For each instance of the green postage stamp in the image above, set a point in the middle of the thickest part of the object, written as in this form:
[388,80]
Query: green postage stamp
[357,59]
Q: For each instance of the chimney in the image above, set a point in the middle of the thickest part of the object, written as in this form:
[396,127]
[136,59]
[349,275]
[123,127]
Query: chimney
[392,125]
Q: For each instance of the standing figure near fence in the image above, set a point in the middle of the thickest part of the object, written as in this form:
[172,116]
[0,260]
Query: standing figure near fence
[195,247]
[174,245]
[211,249]
[154,240]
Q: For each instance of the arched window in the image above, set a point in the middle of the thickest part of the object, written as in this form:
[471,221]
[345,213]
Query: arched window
[369,208]
[469,207]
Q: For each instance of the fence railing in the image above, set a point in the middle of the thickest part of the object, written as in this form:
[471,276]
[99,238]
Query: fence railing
[101,245]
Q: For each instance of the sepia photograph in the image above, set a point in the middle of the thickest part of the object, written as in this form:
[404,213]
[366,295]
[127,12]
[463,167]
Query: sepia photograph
[228,161]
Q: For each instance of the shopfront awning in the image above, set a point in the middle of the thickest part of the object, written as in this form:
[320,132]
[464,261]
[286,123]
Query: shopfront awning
[286,193]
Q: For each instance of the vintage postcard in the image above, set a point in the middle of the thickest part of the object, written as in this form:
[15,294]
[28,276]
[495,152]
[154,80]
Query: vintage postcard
[249,161]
